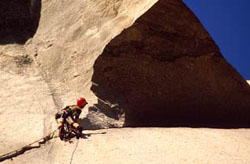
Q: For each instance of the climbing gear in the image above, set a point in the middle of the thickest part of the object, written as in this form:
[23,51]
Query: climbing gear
[67,122]
[66,130]
[70,132]
[81,102]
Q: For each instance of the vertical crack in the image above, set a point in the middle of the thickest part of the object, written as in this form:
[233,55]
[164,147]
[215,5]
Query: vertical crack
[54,96]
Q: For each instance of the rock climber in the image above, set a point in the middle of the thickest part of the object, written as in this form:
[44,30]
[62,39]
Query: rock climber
[69,116]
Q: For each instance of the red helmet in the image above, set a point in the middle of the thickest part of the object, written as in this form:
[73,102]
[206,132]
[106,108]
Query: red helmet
[81,102]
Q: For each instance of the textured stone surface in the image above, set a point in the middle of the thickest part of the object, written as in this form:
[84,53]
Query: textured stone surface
[70,37]
[147,146]
[54,68]
[155,66]
[166,70]
[26,106]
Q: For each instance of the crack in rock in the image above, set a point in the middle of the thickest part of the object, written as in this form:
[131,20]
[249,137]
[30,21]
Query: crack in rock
[23,149]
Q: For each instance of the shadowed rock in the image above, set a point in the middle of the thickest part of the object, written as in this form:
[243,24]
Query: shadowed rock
[166,70]
[162,71]
[18,20]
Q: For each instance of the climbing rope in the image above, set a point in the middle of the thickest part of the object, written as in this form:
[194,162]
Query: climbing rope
[21,150]
[73,153]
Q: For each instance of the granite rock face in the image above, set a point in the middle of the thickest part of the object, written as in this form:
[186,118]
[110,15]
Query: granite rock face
[147,146]
[166,70]
[70,36]
[163,70]
[41,74]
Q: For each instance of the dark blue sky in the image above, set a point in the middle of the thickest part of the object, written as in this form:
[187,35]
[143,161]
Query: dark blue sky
[228,22]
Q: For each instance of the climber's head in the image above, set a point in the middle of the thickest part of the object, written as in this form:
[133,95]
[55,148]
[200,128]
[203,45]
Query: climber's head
[81,102]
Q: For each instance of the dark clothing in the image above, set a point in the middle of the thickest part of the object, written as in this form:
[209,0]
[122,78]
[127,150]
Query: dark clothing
[69,116]
[73,111]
